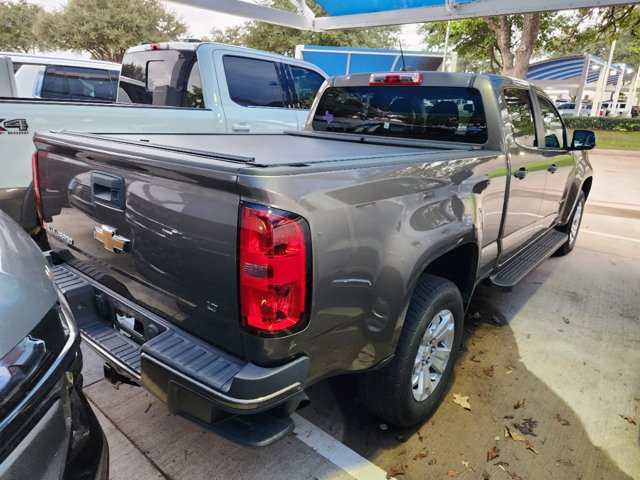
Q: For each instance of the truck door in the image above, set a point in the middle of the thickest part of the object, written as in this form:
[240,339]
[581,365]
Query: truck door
[252,93]
[528,173]
[558,161]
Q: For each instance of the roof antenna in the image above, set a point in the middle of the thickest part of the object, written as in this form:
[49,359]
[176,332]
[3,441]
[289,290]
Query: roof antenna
[404,66]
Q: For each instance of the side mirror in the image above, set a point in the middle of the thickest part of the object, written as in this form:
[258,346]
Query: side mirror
[583,140]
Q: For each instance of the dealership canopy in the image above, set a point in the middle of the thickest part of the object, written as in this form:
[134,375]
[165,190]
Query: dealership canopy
[372,13]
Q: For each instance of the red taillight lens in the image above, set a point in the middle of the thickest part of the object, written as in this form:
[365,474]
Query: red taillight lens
[37,185]
[273,269]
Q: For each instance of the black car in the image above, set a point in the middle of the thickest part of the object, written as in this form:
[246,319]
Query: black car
[47,428]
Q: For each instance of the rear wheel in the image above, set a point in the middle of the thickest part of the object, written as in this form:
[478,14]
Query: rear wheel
[572,227]
[408,389]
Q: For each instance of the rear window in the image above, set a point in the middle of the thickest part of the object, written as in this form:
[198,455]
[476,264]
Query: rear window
[79,84]
[451,114]
[166,77]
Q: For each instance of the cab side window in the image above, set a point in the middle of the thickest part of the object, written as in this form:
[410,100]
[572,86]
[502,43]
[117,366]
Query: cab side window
[554,131]
[306,84]
[252,82]
[521,114]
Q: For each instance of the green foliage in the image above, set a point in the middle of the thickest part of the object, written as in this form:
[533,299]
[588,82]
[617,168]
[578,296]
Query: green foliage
[604,123]
[107,28]
[16,26]
[475,41]
[594,31]
[283,40]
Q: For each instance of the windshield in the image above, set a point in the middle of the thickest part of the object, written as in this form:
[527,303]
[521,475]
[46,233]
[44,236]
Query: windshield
[452,114]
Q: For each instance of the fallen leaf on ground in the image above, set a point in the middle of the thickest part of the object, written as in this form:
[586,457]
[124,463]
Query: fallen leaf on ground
[509,370]
[566,320]
[485,475]
[527,426]
[489,371]
[565,463]
[631,420]
[474,359]
[529,446]
[493,453]
[515,476]
[466,465]
[452,474]
[637,399]
[565,423]
[433,461]
[519,404]
[462,401]
[421,454]
[501,464]
[393,471]
[515,435]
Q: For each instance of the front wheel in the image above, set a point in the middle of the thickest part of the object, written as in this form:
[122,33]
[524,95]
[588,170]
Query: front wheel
[572,227]
[407,390]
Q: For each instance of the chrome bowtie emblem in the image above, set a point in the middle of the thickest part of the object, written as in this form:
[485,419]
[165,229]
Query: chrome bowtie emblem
[110,239]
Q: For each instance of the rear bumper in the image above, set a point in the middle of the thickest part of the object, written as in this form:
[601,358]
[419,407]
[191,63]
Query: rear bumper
[192,377]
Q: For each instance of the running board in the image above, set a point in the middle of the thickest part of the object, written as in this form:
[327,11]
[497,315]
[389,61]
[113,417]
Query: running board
[517,268]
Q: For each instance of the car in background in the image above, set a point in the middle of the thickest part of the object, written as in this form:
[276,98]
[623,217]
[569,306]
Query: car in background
[567,110]
[47,428]
[610,110]
[55,78]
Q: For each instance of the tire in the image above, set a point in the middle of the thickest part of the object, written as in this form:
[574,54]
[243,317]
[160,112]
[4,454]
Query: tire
[395,392]
[572,227]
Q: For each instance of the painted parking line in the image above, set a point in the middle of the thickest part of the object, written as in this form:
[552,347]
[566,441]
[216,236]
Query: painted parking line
[336,452]
[609,235]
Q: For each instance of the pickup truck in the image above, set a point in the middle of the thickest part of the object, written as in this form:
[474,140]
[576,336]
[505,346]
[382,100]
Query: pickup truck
[175,87]
[226,277]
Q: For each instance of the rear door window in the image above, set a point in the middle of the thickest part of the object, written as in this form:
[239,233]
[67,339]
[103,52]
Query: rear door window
[521,114]
[306,84]
[253,82]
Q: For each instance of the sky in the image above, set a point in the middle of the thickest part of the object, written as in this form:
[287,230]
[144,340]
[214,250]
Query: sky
[200,22]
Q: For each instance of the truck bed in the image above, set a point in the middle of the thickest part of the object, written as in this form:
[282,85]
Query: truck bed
[266,150]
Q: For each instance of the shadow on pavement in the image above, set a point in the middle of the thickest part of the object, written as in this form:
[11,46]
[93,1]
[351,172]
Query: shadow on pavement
[455,442]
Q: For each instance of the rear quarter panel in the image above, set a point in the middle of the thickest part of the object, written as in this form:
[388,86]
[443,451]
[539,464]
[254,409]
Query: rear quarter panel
[374,229]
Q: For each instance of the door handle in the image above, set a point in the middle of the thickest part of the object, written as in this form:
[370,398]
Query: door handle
[108,189]
[553,168]
[241,127]
[521,173]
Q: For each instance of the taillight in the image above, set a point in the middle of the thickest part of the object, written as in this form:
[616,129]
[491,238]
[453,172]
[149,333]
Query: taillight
[37,185]
[403,78]
[273,269]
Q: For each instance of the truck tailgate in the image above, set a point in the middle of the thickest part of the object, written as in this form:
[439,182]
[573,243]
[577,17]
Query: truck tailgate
[159,230]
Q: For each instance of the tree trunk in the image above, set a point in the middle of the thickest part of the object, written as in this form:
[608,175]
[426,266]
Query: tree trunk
[515,60]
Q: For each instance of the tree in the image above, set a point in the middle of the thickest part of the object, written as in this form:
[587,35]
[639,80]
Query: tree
[503,44]
[596,29]
[16,26]
[107,28]
[283,40]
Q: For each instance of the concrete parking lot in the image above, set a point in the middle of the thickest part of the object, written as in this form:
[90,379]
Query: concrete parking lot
[555,362]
